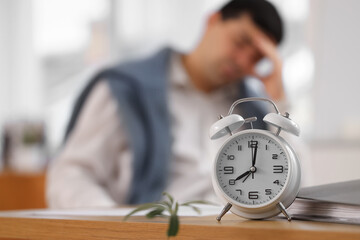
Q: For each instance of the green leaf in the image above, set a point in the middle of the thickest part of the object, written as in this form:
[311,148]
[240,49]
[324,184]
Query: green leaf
[170,197]
[167,204]
[197,202]
[196,209]
[176,208]
[141,208]
[173,225]
[156,212]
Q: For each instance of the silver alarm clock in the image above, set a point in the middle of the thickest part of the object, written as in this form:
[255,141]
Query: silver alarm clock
[256,172]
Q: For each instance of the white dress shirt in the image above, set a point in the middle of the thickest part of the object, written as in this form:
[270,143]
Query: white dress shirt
[95,166]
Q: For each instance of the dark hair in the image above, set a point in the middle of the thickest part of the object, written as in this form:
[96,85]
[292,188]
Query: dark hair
[262,12]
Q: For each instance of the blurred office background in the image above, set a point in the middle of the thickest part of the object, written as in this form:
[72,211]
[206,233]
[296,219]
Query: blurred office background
[50,48]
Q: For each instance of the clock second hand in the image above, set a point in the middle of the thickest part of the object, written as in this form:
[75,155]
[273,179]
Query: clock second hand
[248,176]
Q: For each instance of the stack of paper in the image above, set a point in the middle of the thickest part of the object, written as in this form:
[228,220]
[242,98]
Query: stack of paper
[337,202]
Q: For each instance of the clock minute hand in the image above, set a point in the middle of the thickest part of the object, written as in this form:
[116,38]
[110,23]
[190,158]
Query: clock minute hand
[242,175]
[254,156]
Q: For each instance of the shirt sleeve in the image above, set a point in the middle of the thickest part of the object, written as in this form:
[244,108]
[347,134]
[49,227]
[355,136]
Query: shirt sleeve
[79,176]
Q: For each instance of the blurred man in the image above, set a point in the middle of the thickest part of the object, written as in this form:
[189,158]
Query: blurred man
[142,127]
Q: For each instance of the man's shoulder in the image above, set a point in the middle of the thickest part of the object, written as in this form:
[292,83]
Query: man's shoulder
[152,58]
[153,66]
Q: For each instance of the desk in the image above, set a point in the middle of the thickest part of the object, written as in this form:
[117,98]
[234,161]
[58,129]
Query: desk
[23,225]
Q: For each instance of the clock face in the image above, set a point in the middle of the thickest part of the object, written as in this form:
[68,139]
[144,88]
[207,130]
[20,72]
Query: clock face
[252,168]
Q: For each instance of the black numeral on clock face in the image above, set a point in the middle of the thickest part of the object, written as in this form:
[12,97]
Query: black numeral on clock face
[253,144]
[268,192]
[230,157]
[228,170]
[277,182]
[275,156]
[278,169]
[231,181]
[239,190]
[254,195]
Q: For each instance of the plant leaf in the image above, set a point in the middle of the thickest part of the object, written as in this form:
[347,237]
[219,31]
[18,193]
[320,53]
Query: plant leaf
[173,225]
[169,205]
[176,208]
[141,208]
[197,202]
[169,196]
[156,212]
[166,204]
[196,209]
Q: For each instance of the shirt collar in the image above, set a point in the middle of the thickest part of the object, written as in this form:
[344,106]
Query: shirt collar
[178,74]
[180,78]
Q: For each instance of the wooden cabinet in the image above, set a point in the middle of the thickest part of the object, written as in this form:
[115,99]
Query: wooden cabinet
[22,190]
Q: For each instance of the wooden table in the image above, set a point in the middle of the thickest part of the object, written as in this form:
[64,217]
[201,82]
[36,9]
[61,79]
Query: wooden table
[24,225]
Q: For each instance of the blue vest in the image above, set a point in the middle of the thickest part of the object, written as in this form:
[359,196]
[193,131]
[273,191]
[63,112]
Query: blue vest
[140,89]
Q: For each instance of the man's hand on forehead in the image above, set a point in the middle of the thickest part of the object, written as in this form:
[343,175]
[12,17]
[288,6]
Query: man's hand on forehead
[266,47]
[252,35]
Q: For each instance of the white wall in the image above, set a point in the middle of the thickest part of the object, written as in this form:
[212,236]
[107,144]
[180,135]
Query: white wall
[144,25]
[334,162]
[334,36]
[21,85]
[336,92]
[4,59]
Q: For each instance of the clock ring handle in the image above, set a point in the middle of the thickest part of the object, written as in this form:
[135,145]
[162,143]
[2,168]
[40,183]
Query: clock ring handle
[251,99]
[282,122]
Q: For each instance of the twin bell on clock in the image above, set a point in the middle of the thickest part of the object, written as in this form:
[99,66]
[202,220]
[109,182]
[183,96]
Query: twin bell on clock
[256,172]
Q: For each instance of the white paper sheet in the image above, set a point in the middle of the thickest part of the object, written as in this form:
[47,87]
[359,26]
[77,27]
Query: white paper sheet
[206,210]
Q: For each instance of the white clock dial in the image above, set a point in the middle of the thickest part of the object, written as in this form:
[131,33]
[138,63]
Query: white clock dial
[252,168]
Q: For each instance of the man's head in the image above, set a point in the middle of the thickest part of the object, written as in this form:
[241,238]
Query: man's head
[228,50]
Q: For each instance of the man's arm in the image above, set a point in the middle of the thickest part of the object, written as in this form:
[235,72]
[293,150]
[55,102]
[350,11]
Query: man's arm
[80,175]
[273,82]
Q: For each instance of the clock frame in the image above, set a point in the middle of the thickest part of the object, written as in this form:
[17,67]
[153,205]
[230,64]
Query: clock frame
[231,123]
[286,195]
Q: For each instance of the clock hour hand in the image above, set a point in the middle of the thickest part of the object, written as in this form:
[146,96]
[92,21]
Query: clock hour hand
[243,175]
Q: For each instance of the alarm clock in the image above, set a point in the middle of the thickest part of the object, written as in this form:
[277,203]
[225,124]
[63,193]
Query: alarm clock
[256,173]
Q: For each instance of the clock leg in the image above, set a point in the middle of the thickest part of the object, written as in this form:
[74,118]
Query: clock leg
[224,211]
[283,210]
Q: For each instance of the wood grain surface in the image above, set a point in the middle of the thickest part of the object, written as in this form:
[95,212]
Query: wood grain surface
[23,225]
